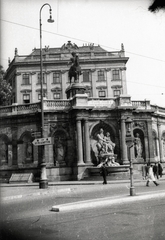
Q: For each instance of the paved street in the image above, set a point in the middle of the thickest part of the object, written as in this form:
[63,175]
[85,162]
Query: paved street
[86,211]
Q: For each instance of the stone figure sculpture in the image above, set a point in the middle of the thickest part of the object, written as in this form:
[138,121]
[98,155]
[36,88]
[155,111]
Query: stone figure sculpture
[138,146]
[104,143]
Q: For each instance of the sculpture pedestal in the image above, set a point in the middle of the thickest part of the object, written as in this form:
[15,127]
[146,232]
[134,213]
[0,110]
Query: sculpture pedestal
[73,89]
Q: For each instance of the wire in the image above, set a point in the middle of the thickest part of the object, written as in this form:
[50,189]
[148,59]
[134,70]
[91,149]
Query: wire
[65,36]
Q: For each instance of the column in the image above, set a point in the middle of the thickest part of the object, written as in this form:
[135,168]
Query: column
[79,143]
[150,139]
[146,148]
[94,79]
[124,156]
[157,149]
[87,142]
[160,142]
[123,78]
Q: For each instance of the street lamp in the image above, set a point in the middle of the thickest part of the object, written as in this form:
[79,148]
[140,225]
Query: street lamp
[130,143]
[43,178]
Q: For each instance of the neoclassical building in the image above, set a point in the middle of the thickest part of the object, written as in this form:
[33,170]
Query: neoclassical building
[74,113]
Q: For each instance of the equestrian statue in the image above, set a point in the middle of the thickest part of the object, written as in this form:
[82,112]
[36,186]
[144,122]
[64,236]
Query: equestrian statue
[75,69]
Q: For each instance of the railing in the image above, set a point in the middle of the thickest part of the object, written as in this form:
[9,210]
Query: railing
[60,57]
[23,108]
[5,109]
[56,104]
[141,104]
[158,109]
[65,104]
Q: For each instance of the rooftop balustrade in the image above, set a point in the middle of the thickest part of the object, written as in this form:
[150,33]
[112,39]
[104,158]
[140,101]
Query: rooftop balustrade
[66,104]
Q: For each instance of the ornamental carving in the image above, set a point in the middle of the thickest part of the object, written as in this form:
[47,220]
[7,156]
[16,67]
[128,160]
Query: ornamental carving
[141,125]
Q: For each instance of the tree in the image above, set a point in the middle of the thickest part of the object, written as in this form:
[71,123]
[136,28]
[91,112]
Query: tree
[157,5]
[5,89]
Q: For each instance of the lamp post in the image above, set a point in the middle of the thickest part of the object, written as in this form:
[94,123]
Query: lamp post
[43,178]
[130,144]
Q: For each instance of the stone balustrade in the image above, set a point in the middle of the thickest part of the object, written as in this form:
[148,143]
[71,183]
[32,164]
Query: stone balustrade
[56,104]
[62,104]
[141,104]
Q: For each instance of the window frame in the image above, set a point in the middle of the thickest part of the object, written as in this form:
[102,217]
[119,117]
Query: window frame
[26,79]
[26,99]
[101,75]
[116,74]
[102,91]
[39,78]
[86,75]
[56,79]
[116,90]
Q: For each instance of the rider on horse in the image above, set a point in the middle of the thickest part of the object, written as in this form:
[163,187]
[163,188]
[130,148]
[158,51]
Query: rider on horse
[75,69]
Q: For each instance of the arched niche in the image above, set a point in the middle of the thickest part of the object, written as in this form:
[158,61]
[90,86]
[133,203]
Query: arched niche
[60,147]
[26,147]
[4,151]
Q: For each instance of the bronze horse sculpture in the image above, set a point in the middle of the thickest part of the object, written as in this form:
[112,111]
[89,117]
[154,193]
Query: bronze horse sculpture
[75,69]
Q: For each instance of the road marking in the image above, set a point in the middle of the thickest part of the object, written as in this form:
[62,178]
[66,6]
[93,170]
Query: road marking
[93,203]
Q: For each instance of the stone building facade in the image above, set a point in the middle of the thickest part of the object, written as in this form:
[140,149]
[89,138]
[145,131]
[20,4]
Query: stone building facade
[73,123]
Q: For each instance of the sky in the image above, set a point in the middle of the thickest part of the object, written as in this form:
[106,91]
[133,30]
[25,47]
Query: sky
[107,23]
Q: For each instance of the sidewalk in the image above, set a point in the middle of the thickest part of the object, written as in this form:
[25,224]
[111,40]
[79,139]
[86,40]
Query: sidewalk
[17,191]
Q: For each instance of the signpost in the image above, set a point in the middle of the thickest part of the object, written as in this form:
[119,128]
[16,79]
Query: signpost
[36,134]
[43,141]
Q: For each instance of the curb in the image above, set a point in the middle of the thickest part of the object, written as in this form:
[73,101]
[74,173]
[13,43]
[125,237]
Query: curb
[93,203]
[66,190]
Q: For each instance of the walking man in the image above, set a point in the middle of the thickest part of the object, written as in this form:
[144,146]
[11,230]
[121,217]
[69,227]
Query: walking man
[150,176]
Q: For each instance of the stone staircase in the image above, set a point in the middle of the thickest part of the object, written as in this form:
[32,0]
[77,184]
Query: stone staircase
[121,172]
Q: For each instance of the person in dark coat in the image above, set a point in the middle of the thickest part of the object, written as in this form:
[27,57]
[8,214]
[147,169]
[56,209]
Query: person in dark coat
[155,171]
[160,169]
[104,173]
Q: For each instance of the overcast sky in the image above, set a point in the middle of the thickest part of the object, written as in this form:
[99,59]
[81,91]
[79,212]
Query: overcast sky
[105,22]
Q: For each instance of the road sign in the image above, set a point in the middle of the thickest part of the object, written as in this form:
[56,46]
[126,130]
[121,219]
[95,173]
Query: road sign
[36,134]
[43,141]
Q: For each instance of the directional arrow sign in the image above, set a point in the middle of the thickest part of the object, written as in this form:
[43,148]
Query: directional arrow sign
[43,141]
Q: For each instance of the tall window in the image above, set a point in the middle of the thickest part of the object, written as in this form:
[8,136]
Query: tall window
[86,77]
[101,75]
[102,94]
[116,93]
[26,98]
[56,77]
[43,79]
[25,79]
[116,75]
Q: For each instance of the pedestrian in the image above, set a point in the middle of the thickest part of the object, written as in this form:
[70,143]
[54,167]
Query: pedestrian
[150,176]
[155,171]
[104,173]
[144,170]
[160,169]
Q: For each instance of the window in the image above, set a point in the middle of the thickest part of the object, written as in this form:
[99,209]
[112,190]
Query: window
[85,76]
[116,75]
[56,95]
[102,94]
[56,77]
[26,98]
[39,95]
[39,79]
[101,76]
[116,93]
[25,79]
